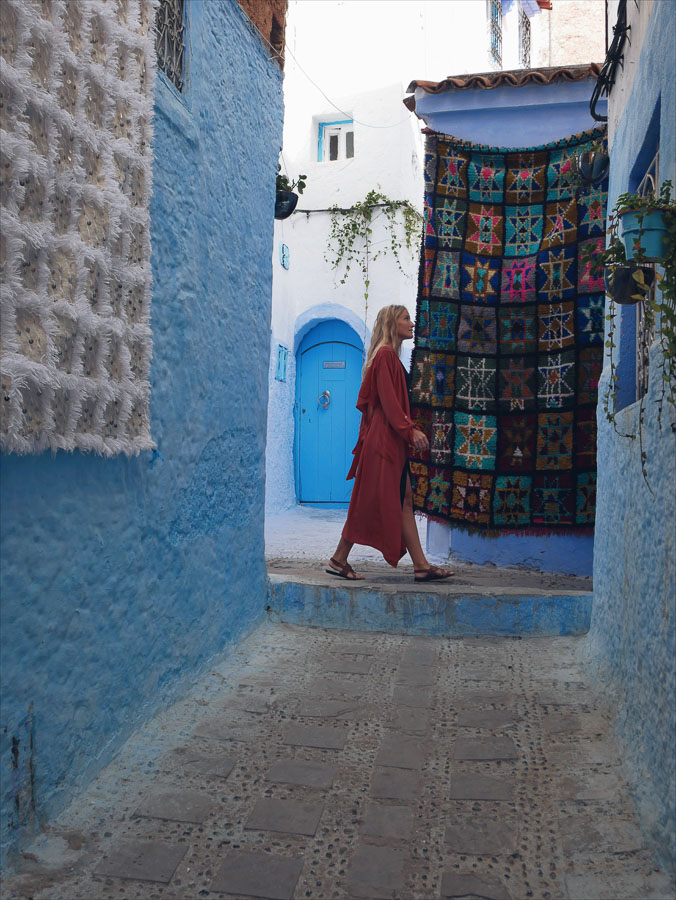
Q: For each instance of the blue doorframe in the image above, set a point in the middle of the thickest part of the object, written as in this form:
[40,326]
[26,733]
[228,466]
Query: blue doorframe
[340,343]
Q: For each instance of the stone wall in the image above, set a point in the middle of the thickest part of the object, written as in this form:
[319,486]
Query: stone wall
[121,578]
[633,630]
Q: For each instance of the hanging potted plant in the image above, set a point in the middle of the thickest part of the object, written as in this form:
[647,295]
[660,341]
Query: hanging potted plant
[285,199]
[645,223]
[625,281]
[628,278]
[591,166]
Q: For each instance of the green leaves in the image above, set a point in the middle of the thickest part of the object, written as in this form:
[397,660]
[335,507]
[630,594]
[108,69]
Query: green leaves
[351,235]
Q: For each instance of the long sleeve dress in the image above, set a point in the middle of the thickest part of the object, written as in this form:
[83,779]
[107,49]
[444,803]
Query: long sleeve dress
[380,456]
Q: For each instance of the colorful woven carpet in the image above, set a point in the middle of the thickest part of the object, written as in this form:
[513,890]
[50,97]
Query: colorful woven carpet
[509,341]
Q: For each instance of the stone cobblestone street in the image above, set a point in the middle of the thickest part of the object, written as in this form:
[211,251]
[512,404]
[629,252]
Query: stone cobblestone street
[328,764]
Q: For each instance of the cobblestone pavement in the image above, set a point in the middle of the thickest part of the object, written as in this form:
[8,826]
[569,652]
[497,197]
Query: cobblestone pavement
[327,764]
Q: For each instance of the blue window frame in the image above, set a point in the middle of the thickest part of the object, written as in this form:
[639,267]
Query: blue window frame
[335,140]
[282,356]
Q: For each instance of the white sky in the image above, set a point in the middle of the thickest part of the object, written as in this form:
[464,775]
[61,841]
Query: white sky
[349,46]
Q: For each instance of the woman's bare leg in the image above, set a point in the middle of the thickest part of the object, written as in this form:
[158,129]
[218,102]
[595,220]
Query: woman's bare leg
[340,559]
[409,531]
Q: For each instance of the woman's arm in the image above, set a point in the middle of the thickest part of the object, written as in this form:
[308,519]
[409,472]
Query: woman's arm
[386,376]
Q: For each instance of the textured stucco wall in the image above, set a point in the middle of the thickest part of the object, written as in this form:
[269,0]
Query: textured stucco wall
[632,635]
[571,33]
[387,160]
[121,578]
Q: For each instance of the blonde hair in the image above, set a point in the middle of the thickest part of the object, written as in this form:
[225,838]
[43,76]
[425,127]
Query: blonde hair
[385,332]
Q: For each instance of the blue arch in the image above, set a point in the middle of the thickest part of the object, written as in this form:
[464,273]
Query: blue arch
[329,312]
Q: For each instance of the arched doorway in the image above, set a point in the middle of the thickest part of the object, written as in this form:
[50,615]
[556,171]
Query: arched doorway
[328,375]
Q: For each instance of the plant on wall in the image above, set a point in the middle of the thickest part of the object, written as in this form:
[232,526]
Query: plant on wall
[351,237]
[648,240]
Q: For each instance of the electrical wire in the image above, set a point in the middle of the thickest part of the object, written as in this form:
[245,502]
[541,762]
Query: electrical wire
[334,105]
[278,55]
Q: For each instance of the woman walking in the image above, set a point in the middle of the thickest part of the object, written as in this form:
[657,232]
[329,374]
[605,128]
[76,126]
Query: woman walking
[381,507]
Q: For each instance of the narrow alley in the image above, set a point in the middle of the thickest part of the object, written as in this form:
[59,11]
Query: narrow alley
[328,764]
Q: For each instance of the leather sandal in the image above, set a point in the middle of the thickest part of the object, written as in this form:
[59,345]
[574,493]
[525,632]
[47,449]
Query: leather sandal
[344,571]
[434,573]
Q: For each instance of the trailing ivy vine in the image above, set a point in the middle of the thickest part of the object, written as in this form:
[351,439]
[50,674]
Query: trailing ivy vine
[350,240]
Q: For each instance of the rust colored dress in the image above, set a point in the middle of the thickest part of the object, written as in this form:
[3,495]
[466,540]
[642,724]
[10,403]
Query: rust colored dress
[380,458]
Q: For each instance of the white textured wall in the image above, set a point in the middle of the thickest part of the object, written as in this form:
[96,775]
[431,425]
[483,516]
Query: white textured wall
[386,160]
[572,33]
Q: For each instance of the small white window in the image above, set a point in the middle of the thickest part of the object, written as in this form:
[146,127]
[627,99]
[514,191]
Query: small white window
[335,140]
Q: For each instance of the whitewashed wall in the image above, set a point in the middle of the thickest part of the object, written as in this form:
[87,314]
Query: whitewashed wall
[386,160]
[572,33]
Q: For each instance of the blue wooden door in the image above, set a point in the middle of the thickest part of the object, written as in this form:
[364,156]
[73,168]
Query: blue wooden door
[329,375]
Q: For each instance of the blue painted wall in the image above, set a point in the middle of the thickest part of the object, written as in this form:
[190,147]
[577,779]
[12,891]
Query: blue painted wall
[513,117]
[633,629]
[122,578]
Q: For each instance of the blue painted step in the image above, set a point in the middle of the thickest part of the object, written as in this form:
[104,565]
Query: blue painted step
[446,609]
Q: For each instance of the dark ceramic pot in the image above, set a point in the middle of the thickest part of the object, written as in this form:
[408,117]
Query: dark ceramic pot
[592,166]
[285,203]
[622,286]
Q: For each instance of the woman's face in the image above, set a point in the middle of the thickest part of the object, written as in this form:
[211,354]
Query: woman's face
[404,327]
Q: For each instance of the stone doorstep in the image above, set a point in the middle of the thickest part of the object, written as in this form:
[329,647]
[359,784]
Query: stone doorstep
[219,767]
[375,873]
[257,875]
[231,725]
[175,805]
[485,748]
[334,689]
[286,816]
[409,720]
[303,772]
[481,838]
[401,751]
[325,738]
[416,697]
[479,787]
[347,665]
[454,885]
[142,861]
[389,783]
[389,822]
[498,672]
[326,709]
[487,718]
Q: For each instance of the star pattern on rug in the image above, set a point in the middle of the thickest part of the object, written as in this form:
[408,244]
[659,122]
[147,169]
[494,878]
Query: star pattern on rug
[485,176]
[476,379]
[509,337]
[446,282]
[471,496]
[557,326]
[523,230]
[556,382]
[511,504]
[475,441]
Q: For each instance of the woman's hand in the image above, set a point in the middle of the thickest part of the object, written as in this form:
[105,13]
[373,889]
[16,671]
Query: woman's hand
[419,440]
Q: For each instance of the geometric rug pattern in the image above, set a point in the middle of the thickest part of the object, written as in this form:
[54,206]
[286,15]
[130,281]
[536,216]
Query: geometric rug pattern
[509,337]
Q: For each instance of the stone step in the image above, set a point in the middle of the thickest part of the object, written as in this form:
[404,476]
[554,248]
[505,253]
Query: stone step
[449,608]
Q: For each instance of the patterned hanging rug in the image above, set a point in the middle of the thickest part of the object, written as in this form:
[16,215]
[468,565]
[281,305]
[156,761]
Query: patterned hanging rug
[509,340]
